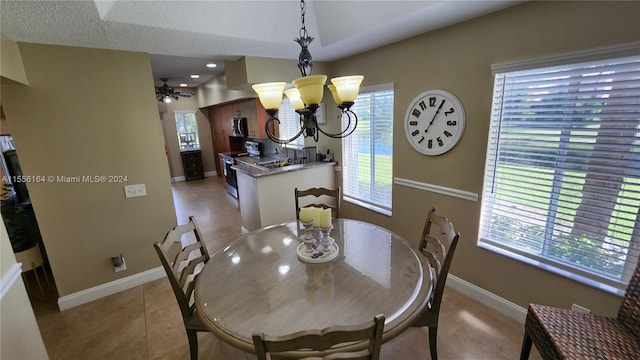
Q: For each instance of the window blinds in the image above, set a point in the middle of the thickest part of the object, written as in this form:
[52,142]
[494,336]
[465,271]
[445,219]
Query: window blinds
[562,176]
[367,154]
[289,123]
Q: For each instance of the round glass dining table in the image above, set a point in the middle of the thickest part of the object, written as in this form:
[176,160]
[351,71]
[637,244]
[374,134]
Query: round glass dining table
[259,284]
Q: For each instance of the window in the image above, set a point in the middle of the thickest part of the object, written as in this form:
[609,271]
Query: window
[187,127]
[289,123]
[562,177]
[367,154]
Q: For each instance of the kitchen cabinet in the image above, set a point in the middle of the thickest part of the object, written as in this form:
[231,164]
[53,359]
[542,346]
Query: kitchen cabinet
[256,117]
[220,119]
[260,120]
[192,165]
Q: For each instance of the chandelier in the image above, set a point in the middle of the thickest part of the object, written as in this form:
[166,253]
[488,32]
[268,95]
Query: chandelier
[307,93]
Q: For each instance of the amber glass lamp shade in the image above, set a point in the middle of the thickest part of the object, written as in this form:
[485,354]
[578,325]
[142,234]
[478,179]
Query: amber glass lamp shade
[311,88]
[270,94]
[294,98]
[347,87]
[334,94]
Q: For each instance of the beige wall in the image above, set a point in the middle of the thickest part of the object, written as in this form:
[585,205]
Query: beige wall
[90,112]
[171,138]
[459,58]
[11,68]
[215,92]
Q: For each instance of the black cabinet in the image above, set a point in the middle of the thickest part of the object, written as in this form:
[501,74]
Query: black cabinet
[192,165]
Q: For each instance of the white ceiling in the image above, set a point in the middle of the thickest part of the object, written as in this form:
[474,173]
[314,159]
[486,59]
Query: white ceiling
[182,36]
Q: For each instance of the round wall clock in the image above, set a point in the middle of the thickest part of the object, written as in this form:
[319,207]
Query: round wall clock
[434,122]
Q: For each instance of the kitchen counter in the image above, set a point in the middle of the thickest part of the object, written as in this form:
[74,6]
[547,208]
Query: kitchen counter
[266,195]
[250,165]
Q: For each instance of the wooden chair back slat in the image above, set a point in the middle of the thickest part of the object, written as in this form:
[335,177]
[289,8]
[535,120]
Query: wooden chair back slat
[319,193]
[182,270]
[312,343]
[438,244]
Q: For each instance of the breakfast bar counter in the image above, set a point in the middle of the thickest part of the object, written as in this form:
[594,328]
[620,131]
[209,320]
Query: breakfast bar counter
[266,196]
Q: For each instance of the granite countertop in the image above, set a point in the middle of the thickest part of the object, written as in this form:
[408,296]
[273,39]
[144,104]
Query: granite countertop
[249,165]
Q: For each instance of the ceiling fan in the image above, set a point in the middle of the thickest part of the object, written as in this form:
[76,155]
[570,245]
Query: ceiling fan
[165,92]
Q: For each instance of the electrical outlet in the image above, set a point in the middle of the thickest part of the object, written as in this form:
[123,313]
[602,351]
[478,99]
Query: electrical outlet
[580,309]
[118,263]
[134,190]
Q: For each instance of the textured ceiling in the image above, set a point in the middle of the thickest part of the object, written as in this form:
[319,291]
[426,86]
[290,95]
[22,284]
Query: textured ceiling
[182,35]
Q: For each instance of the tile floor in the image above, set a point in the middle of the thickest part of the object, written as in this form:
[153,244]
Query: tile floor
[145,322]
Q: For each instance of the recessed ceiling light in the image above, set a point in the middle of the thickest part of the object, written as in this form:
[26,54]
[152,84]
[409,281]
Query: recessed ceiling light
[195,76]
[211,65]
[183,85]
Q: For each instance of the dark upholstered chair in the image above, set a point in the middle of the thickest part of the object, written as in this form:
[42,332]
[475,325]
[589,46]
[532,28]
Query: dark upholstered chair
[182,270]
[317,193]
[565,334]
[311,343]
[438,244]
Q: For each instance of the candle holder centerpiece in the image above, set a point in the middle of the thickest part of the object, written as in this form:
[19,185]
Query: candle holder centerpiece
[317,245]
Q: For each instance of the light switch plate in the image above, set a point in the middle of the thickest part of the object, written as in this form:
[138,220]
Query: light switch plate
[135,190]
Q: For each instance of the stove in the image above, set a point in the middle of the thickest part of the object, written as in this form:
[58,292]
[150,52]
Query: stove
[253,149]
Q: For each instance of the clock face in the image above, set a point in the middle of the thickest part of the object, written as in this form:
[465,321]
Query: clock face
[434,122]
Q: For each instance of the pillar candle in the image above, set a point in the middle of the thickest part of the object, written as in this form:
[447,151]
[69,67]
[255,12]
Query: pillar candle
[317,213]
[306,215]
[325,218]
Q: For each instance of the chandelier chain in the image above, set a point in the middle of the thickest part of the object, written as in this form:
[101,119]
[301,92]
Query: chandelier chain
[303,9]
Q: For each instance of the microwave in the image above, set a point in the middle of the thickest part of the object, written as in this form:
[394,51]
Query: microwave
[239,127]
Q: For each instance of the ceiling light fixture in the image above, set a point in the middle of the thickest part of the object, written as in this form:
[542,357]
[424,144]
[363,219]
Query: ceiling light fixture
[211,65]
[195,76]
[183,85]
[166,93]
[307,95]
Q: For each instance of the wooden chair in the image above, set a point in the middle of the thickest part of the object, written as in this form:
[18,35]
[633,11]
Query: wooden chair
[318,192]
[565,334]
[182,272]
[438,247]
[311,343]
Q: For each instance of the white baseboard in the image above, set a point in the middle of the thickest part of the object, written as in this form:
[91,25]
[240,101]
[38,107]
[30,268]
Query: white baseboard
[110,288]
[487,298]
[182,178]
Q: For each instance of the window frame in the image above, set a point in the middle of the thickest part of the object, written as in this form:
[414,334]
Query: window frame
[542,261]
[384,209]
[178,133]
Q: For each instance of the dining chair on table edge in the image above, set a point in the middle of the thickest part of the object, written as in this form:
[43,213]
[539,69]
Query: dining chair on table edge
[566,334]
[318,192]
[182,272]
[312,343]
[438,246]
